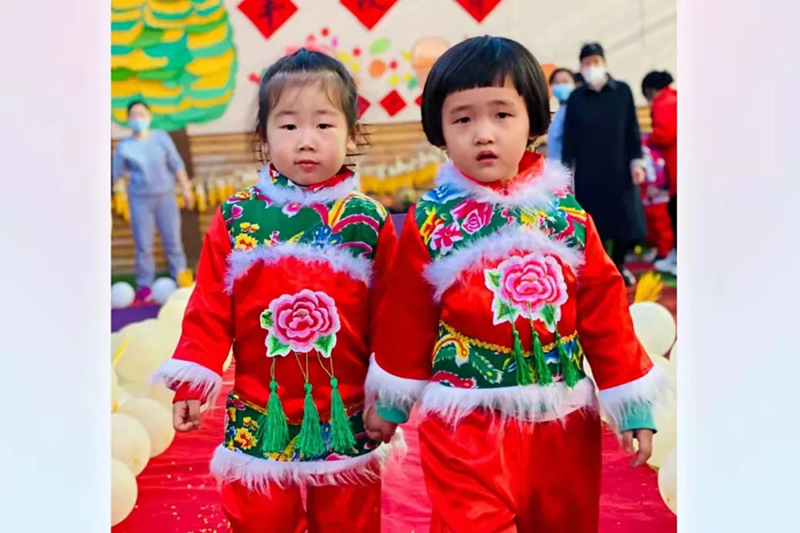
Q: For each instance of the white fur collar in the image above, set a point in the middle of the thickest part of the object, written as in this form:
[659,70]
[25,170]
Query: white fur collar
[537,192]
[294,194]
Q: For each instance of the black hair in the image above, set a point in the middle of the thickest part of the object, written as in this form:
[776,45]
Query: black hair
[654,81]
[559,71]
[137,102]
[591,49]
[311,65]
[485,62]
[578,77]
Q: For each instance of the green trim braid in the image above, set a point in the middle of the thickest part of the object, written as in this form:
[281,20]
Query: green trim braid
[342,439]
[310,442]
[571,376]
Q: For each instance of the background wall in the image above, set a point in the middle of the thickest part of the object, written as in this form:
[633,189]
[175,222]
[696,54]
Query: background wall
[389,59]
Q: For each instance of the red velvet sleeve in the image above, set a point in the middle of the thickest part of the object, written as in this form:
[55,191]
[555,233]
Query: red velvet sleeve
[385,254]
[408,325]
[622,369]
[195,370]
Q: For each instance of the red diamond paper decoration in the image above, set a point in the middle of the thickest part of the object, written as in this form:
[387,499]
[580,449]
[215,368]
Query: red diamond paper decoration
[268,15]
[479,9]
[369,12]
[363,104]
[418,100]
[393,103]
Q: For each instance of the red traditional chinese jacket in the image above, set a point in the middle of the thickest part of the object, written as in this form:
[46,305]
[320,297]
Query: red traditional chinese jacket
[498,293]
[291,278]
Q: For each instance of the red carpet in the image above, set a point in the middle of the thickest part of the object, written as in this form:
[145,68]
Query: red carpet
[176,494]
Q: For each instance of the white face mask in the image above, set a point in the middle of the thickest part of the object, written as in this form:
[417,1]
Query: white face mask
[595,76]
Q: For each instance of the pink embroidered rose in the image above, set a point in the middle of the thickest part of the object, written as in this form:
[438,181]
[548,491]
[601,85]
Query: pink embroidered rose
[304,321]
[474,215]
[291,209]
[445,237]
[532,281]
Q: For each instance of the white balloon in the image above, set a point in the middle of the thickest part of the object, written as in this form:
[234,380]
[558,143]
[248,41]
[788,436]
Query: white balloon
[668,481]
[130,442]
[673,354]
[124,491]
[655,327]
[122,295]
[163,289]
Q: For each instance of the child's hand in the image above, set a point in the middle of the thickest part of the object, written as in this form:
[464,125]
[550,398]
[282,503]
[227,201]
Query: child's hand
[376,427]
[645,440]
[186,415]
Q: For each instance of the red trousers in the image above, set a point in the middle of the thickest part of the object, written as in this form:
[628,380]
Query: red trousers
[329,509]
[659,229]
[515,477]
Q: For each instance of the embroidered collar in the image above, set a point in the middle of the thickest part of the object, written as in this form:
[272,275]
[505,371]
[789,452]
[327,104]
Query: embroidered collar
[282,190]
[538,180]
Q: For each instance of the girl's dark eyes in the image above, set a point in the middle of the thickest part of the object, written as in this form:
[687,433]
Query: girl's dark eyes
[462,120]
[325,126]
[503,115]
[289,127]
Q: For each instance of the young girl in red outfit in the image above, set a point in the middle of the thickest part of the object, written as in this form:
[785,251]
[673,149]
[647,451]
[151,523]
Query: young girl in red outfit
[500,288]
[290,275]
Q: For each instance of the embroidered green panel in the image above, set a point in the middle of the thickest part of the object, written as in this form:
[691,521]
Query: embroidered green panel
[242,421]
[352,223]
[466,363]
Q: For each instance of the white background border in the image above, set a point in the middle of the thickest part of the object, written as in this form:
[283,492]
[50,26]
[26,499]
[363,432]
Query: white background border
[739,181]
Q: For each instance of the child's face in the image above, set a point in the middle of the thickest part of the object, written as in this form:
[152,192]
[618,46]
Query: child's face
[306,134]
[486,131]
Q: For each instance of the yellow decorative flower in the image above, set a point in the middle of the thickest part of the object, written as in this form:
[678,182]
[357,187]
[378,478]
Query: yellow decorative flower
[243,195]
[244,439]
[254,228]
[230,445]
[245,242]
[244,226]
[232,414]
[249,423]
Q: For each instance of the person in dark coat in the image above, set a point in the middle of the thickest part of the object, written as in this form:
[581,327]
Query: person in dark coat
[602,144]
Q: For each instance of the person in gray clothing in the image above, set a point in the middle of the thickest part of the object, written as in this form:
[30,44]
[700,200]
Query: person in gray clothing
[150,161]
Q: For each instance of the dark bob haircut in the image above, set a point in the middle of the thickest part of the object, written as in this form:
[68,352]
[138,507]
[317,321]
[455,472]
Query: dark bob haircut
[303,67]
[137,102]
[485,62]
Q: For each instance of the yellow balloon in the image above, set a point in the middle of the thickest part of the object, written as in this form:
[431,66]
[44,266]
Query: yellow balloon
[171,313]
[124,491]
[673,354]
[668,365]
[666,438]
[155,418]
[129,442]
[162,395]
[118,397]
[116,342]
[181,295]
[668,481]
[655,327]
[144,352]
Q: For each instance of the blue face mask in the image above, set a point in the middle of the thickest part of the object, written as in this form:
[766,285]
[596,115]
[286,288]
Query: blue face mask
[562,91]
[139,125]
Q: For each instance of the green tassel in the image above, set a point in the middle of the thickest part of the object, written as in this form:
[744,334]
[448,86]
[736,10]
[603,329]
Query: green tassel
[568,369]
[524,376]
[273,428]
[309,441]
[342,438]
[543,375]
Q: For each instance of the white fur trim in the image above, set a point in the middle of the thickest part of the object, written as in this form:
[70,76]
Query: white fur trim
[259,474]
[339,259]
[530,402]
[394,390]
[538,192]
[445,272]
[298,195]
[174,371]
[652,388]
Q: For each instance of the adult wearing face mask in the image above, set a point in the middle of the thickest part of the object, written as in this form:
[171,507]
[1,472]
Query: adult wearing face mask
[150,161]
[562,82]
[663,100]
[602,144]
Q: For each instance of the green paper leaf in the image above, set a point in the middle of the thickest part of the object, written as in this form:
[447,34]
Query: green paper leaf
[493,278]
[379,46]
[325,345]
[275,347]
[266,319]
